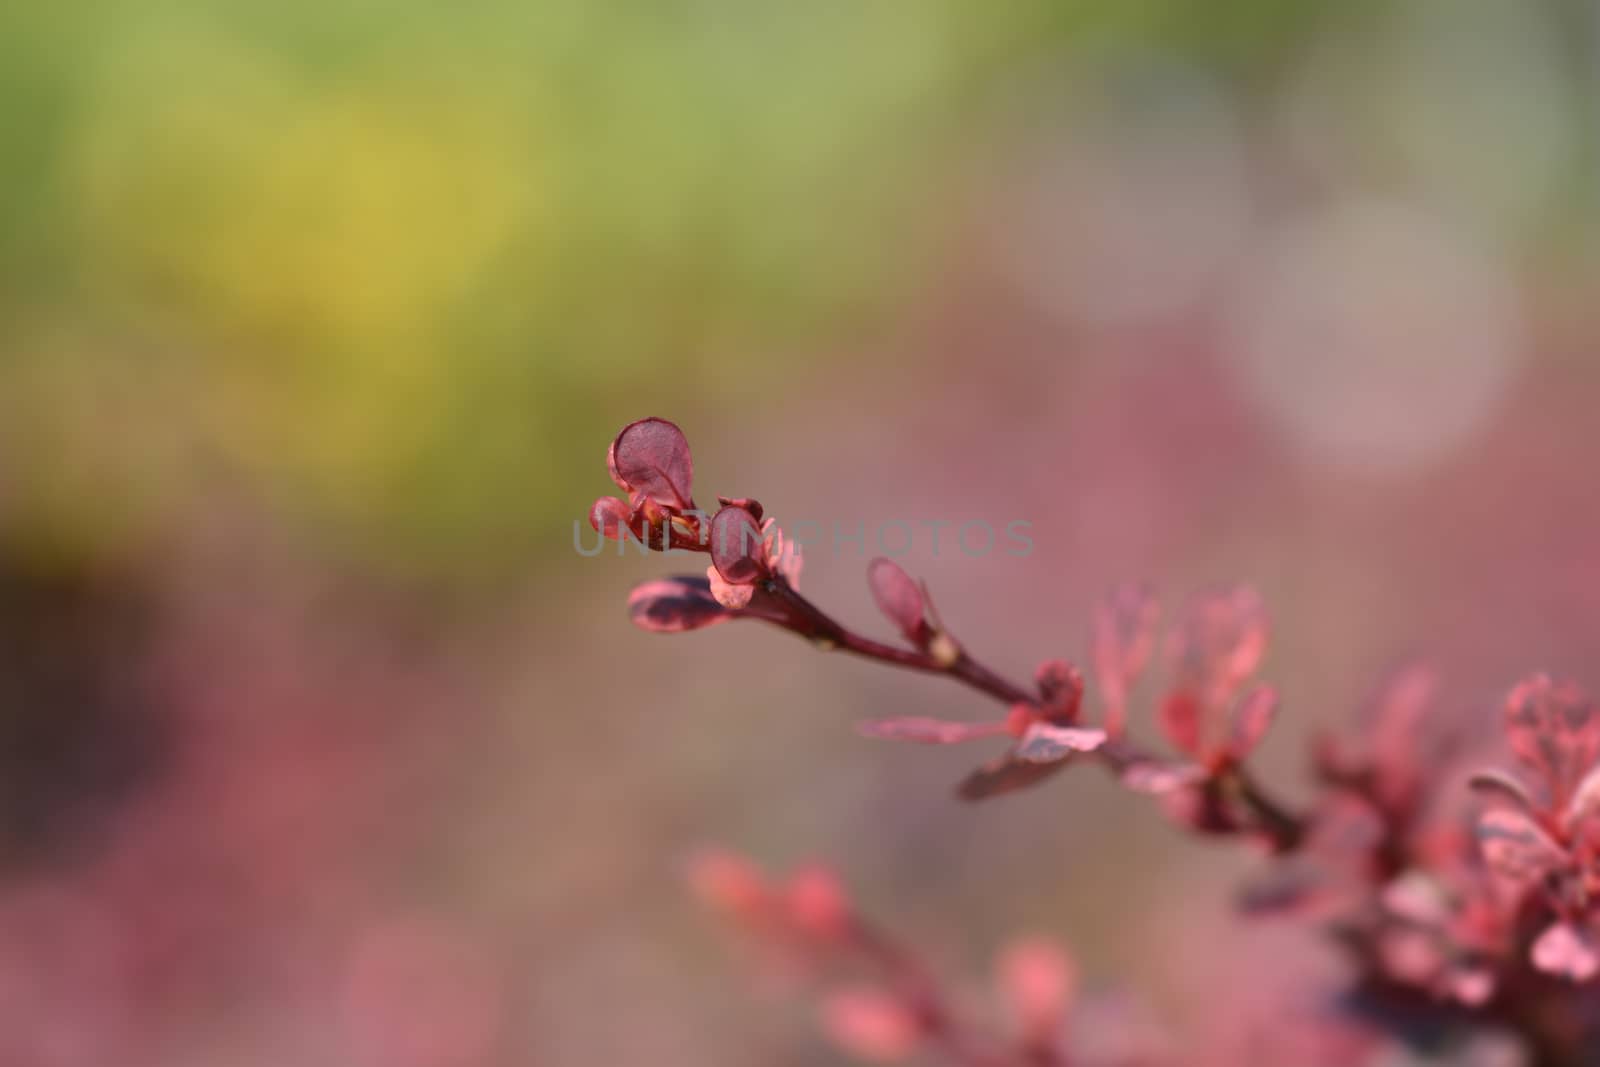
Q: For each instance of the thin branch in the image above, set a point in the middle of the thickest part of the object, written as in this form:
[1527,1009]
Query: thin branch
[1286,829]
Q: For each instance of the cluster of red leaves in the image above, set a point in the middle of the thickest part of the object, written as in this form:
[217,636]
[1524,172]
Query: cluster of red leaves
[1388,859]
[1460,906]
[1542,838]
[650,462]
[877,1000]
[1211,716]
[1466,896]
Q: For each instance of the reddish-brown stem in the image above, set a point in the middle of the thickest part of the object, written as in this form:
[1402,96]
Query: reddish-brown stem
[984,680]
[811,621]
[1285,829]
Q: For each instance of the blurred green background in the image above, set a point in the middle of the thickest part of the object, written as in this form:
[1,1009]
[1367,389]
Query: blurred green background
[387,263]
[324,746]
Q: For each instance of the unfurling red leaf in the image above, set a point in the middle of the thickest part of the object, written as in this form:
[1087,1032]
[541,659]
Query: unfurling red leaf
[929,731]
[1124,630]
[737,546]
[674,605]
[1567,951]
[899,598]
[782,554]
[1006,774]
[1515,847]
[871,1024]
[1044,743]
[1180,722]
[1218,643]
[651,457]
[1400,748]
[1038,982]
[1120,640]
[610,516]
[1252,718]
[1216,647]
[1555,729]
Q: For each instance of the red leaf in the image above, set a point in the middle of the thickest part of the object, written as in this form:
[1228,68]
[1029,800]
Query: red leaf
[1180,722]
[782,555]
[1120,640]
[1044,743]
[1398,746]
[738,549]
[1498,786]
[929,731]
[1004,775]
[1335,761]
[1585,802]
[1219,643]
[1252,717]
[1555,729]
[651,457]
[1514,846]
[674,605]
[1567,951]
[899,598]
[610,516]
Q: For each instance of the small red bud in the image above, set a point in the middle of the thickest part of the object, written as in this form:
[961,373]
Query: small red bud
[871,1025]
[1038,982]
[900,600]
[729,884]
[818,904]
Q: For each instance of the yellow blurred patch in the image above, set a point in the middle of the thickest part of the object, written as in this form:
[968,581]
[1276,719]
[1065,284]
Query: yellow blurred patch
[314,244]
